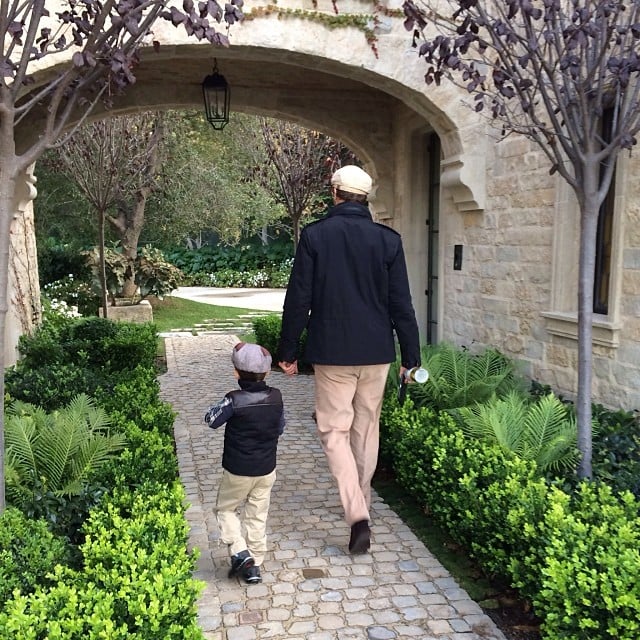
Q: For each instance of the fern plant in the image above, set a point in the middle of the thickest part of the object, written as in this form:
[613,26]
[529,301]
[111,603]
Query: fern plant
[543,430]
[57,452]
[458,378]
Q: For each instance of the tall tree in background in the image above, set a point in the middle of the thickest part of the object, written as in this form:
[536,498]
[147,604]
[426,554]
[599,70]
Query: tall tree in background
[301,161]
[114,163]
[201,187]
[553,71]
[34,111]
[205,184]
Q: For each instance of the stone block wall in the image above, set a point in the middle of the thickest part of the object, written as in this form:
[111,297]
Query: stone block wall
[511,270]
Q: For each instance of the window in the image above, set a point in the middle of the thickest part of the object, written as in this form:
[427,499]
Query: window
[602,274]
[562,318]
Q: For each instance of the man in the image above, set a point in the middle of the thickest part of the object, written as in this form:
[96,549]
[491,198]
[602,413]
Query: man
[349,288]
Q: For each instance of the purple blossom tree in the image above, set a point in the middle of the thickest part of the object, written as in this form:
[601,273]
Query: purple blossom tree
[553,71]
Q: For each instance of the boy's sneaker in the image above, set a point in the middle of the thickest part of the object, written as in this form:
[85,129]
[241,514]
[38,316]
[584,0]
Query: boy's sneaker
[252,575]
[239,562]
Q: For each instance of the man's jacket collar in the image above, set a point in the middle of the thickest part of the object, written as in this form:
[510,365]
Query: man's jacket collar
[349,209]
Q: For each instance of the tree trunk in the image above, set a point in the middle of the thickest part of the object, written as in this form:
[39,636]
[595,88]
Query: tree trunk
[129,237]
[130,221]
[7,192]
[102,270]
[588,231]
[296,232]
[8,173]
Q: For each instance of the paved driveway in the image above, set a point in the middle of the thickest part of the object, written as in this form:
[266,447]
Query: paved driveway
[259,299]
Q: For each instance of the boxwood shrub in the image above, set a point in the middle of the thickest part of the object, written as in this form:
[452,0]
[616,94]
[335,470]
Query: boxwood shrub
[131,575]
[28,553]
[267,333]
[575,555]
[136,582]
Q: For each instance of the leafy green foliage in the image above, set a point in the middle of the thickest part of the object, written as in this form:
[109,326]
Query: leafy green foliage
[246,256]
[149,457]
[55,452]
[590,588]
[136,536]
[468,487]
[458,378]
[131,576]
[616,449]
[219,196]
[57,260]
[267,332]
[575,556]
[542,431]
[259,278]
[28,553]
[137,399]
[79,356]
[616,444]
[50,386]
[152,273]
[136,583]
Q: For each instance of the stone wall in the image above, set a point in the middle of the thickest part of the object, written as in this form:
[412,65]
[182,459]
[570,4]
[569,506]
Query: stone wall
[506,294]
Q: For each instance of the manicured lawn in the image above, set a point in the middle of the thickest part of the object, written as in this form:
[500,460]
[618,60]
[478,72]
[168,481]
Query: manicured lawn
[178,313]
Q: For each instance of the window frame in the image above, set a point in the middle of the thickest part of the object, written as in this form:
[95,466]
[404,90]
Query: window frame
[562,317]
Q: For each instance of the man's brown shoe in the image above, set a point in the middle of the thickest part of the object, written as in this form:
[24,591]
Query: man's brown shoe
[360,537]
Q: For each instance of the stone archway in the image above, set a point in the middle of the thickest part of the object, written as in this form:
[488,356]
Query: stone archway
[330,80]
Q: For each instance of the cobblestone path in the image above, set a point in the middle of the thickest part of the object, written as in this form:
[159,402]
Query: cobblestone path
[312,588]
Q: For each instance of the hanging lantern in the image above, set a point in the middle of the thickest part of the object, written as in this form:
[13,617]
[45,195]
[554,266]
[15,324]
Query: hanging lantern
[216,95]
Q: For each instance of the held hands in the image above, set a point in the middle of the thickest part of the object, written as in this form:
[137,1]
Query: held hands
[290,368]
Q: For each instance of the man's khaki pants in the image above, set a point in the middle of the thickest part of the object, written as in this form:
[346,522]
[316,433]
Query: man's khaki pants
[255,492]
[348,405]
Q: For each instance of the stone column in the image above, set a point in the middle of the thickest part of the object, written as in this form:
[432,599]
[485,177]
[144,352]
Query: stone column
[25,311]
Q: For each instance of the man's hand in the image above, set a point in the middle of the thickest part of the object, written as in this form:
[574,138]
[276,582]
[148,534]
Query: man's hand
[290,368]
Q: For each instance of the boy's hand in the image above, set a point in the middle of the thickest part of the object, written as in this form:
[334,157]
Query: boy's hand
[290,368]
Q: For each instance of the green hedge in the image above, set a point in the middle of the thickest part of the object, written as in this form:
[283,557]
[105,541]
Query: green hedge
[575,556]
[131,575]
[28,553]
[246,256]
[590,566]
[136,583]
[77,356]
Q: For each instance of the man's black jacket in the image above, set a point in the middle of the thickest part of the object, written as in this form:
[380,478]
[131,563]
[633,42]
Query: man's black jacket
[349,287]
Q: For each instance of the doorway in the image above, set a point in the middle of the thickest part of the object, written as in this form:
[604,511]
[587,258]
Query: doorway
[433,235]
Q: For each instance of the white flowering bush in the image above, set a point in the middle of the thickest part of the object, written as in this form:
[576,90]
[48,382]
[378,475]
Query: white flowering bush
[279,277]
[69,297]
[56,312]
[276,277]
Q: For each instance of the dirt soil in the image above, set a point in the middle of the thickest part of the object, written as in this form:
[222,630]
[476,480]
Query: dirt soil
[513,617]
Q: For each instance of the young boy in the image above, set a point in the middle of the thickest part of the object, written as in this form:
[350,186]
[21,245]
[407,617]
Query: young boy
[254,416]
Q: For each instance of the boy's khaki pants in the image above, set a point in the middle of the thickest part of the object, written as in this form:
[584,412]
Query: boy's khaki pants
[255,492]
[348,405]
